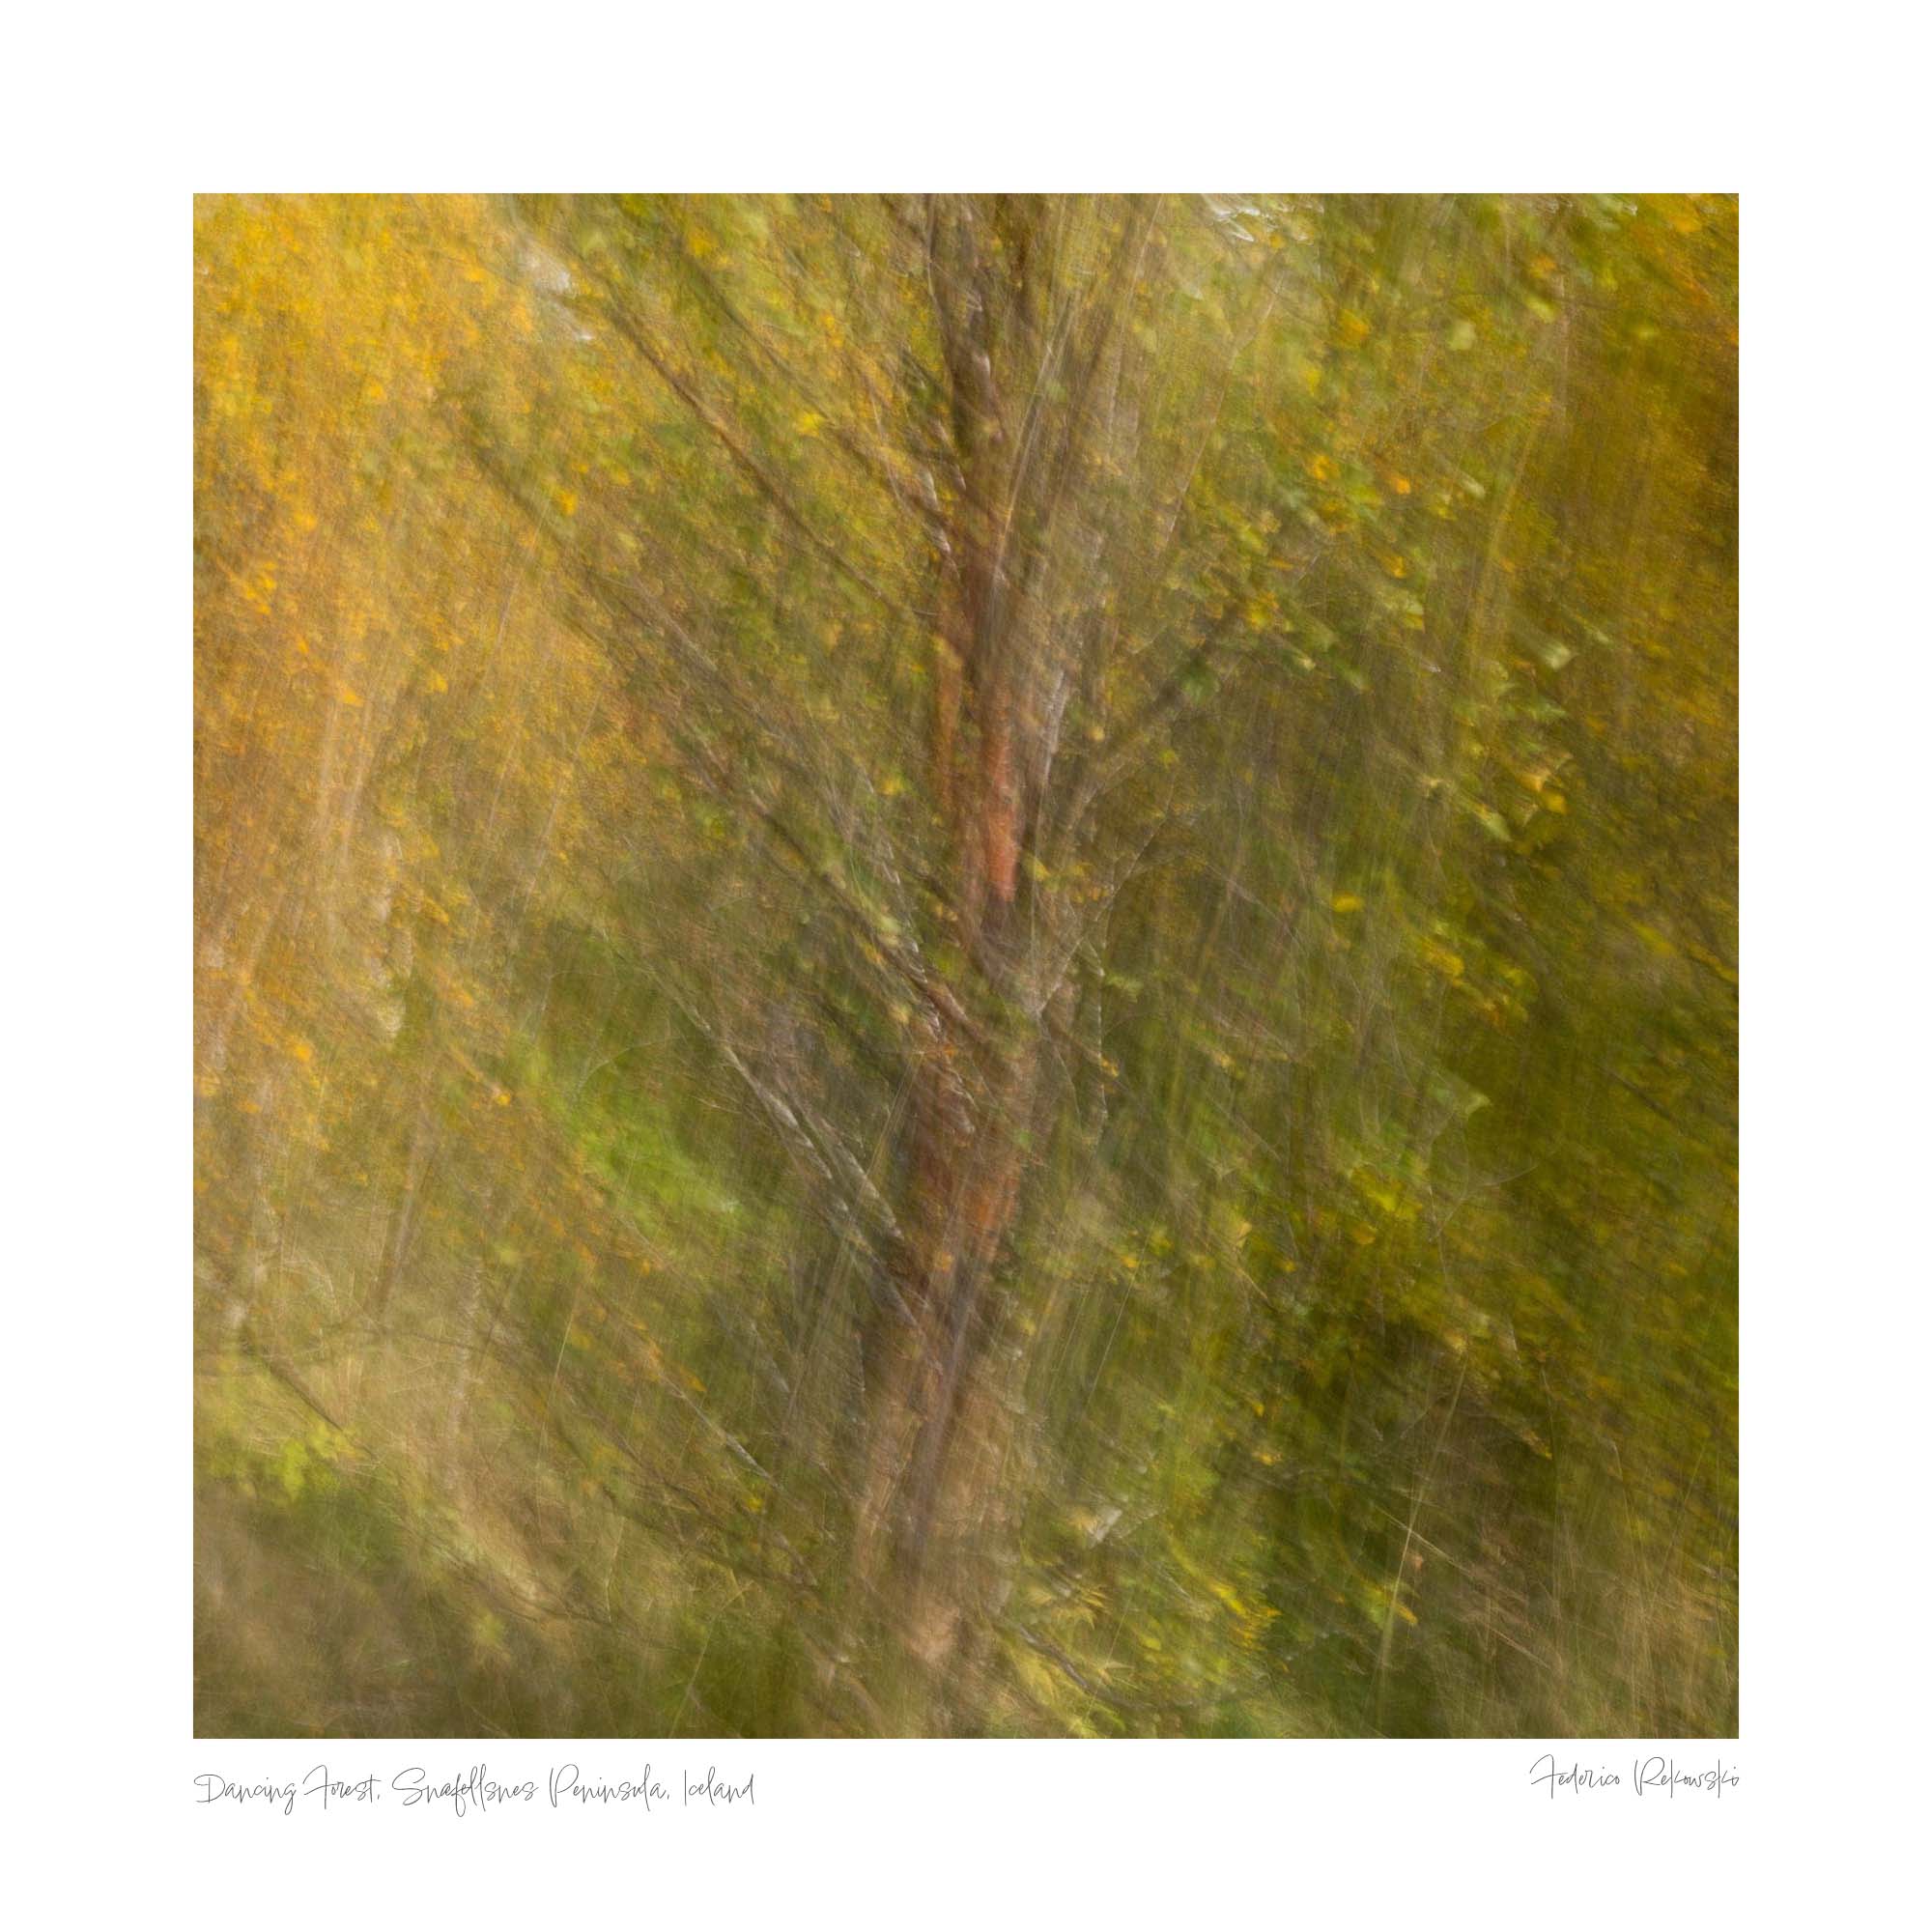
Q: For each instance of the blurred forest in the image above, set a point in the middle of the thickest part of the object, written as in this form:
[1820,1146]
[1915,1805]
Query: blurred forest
[966,966]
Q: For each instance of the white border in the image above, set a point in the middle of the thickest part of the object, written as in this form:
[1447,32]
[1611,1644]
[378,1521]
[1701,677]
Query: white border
[120,115]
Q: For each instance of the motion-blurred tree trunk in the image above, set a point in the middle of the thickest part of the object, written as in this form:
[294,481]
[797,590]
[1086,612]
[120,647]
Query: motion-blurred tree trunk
[938,1427]
[1025,338]
[994,445]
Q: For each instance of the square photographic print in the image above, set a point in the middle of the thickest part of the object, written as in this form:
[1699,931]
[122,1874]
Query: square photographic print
[966,966]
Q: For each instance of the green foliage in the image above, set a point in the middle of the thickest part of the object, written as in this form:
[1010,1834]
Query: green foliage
[581,907]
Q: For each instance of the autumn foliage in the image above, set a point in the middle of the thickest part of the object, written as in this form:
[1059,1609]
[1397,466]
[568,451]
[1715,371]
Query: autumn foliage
[966,965]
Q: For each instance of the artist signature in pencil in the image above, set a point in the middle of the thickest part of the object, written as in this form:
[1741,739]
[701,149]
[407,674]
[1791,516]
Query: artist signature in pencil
[1645,1777]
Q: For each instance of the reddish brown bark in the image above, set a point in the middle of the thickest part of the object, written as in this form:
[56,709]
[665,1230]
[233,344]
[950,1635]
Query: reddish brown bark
[938,1420]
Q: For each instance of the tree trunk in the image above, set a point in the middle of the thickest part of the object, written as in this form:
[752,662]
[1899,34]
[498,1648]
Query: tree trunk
[931,1531]
[932,1545]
